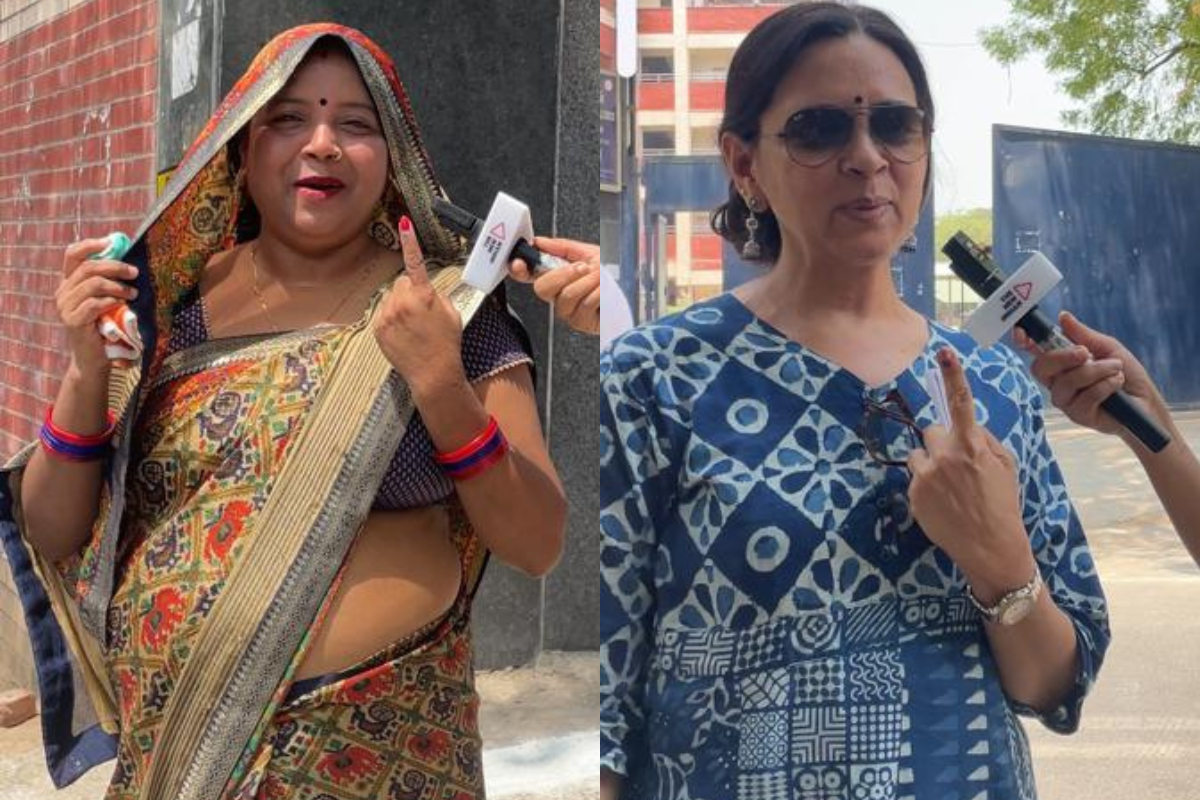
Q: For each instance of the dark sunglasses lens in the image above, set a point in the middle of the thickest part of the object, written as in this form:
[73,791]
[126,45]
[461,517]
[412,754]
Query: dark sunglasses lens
[900,129]
[815,134]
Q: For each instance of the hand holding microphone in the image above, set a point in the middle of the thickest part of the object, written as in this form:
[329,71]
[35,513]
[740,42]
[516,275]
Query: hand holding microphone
[1080,378]
[564,272]
[1013,302]
[573,290]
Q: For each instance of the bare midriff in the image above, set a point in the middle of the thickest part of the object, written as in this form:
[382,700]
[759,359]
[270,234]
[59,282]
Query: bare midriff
[402,573]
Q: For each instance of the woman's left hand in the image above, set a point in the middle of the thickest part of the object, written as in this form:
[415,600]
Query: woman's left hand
[419,330]
[965,495]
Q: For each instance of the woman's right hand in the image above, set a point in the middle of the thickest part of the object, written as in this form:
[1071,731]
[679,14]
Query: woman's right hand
[1081,378]
[573,289]
[88,289]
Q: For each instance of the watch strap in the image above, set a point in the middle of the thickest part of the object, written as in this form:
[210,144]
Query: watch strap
[1030,591]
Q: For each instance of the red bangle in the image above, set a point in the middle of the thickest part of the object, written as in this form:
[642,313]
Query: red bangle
[79,439]
[68,446]
[477,455]
[470,447]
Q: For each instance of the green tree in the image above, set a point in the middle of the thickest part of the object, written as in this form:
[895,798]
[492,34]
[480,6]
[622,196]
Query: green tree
[1133,65]
[975,222]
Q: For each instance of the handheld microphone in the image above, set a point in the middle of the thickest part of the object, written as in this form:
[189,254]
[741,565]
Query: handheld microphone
[970,263]
[502,237]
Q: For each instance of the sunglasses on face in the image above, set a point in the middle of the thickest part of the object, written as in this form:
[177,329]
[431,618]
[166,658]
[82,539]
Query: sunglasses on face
[889,431]
[813,136]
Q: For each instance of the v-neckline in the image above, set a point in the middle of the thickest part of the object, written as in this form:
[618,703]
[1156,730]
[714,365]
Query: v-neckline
[916,367]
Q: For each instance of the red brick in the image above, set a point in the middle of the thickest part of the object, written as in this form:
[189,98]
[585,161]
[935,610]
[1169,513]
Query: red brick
[134,172]
[110,203]
[25,404]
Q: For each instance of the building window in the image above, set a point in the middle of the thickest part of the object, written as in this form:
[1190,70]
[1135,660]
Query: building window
[661,67]
[658,142]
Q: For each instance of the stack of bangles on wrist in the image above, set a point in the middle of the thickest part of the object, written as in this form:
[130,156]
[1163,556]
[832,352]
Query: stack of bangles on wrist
[69,446]
[477,455]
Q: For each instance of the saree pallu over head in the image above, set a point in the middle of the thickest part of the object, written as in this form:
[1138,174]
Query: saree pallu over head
[184,629]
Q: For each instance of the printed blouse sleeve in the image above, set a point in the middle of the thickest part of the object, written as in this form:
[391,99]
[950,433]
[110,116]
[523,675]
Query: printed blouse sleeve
[629,472]
[1063,556]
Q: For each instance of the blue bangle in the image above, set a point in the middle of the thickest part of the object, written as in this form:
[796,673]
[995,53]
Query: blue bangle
[59,448]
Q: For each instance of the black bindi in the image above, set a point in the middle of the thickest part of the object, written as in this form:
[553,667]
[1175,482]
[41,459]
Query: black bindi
[324,102]
[858,101]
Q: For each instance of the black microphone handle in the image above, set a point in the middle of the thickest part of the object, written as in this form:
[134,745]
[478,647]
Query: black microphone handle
[527,253]
[1120,405]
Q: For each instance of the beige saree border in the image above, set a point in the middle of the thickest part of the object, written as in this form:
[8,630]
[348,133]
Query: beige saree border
[322,495]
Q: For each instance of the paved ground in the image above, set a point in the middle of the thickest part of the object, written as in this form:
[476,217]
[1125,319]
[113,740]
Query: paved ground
[1140,736]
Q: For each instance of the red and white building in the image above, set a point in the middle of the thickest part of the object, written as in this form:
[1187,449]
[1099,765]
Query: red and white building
[684,48]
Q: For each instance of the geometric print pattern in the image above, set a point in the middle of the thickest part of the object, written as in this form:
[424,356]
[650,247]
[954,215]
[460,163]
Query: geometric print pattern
[762,740]
[804,641]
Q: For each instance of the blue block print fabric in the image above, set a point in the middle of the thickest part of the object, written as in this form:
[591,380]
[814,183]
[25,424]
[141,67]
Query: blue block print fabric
[775,625]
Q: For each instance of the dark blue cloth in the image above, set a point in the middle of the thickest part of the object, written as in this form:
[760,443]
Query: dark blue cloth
[68,754]
[774,624]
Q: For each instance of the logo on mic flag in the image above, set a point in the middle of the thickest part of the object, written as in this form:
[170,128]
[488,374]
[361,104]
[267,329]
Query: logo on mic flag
[1014,298]
[494,241]
[1023,290]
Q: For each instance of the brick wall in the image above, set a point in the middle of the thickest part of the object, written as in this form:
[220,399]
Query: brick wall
[78,94]
[77,119]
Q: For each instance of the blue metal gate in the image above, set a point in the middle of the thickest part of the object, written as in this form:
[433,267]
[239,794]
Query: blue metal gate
[1121,220]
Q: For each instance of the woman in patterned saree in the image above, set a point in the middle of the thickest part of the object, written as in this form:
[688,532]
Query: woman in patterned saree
[266,582]
[814,584]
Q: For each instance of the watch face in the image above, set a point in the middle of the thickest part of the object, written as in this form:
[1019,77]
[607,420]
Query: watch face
[1016,611]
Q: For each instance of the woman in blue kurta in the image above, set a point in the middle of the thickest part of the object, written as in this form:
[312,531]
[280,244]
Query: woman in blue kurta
[815,586]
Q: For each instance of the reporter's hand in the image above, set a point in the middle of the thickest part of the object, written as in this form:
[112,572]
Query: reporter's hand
[573,289]
[88,289]
[1082,378]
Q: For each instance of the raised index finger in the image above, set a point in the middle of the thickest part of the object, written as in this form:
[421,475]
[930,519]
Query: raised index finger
[414,259]
[958,392]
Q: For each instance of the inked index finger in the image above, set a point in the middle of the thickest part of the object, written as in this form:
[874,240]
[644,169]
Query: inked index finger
[958,392]
[414,259]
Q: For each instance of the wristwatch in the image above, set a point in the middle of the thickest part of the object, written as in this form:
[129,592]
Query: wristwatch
[1014,606]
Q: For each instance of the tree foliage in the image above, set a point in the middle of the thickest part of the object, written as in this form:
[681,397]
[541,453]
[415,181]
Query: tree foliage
[975,222]
[1133,65]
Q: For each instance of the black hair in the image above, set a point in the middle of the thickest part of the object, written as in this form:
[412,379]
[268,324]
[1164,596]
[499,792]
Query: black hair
[763,61]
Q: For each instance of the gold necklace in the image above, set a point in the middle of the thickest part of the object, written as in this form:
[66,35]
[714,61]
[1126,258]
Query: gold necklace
[262,301]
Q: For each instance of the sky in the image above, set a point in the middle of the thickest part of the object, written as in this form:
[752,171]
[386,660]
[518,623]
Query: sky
[972,92]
